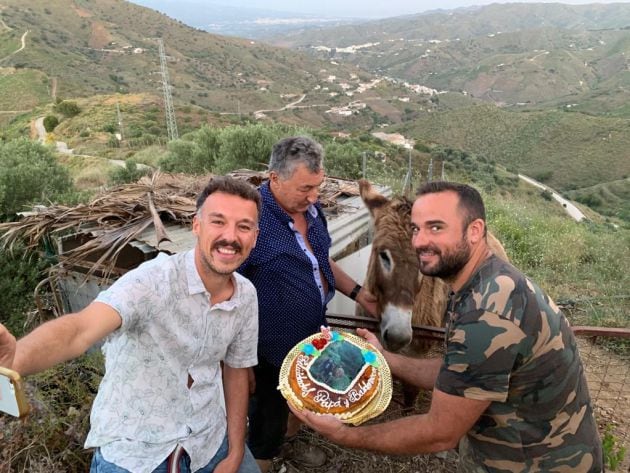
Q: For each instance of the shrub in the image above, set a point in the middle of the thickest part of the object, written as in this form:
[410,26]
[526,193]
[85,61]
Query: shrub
[546,194]
[246,146]
[109,128]
[130,173]
[29,173]
[50,123]
[343,160]
[543,176]
[195,153]
[17,299]
[67,108]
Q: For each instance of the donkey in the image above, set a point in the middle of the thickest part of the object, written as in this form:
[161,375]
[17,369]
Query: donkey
[404,296]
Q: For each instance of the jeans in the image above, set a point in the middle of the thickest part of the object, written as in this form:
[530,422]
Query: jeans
[248,465]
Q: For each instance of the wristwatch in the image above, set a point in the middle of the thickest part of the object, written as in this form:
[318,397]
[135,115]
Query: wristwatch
[355,292]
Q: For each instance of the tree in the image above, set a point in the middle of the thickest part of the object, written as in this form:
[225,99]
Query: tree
[246,146]
[29,173]
[50,123]
[194,153]
[343,160]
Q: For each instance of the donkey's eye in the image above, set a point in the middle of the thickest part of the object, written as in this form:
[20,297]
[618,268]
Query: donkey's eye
[386,260]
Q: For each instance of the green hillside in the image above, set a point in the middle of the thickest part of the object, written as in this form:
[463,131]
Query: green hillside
[609,198]
[566,150]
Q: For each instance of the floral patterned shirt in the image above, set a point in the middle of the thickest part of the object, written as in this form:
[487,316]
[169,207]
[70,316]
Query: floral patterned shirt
[169,331]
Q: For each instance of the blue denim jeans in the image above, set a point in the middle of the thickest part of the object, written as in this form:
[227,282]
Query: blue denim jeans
[248,465]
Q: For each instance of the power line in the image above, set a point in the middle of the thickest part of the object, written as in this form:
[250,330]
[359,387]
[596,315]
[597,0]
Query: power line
[171,124]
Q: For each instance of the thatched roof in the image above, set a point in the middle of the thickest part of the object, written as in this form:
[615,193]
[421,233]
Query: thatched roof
[118,216]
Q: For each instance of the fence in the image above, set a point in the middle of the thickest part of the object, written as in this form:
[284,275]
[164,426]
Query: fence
[605,353]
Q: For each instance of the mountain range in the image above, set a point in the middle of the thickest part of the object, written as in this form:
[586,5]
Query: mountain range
[524,55]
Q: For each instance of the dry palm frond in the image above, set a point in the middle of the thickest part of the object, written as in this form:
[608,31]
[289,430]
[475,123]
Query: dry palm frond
[113,218]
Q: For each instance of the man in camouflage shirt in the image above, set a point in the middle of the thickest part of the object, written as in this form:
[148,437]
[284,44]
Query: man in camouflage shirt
[511,389]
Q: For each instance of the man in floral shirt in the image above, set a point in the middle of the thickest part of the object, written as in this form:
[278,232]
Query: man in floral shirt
[169,324]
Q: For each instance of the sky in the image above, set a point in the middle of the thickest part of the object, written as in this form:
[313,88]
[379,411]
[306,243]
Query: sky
[363,8]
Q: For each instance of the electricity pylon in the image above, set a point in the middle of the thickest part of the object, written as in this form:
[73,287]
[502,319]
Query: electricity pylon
[171,124]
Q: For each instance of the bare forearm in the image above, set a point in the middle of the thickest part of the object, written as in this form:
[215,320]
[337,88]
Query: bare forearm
[419,372]
[405,436]
[51,343]
[343,282]
[236,386]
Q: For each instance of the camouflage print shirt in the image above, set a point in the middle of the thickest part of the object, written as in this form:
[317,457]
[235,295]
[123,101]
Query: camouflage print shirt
[508,343]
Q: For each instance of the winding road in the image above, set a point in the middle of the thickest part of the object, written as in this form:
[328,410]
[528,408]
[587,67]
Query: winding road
[571,209]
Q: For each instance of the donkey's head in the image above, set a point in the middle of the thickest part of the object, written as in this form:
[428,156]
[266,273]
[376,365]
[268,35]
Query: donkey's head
[392,274]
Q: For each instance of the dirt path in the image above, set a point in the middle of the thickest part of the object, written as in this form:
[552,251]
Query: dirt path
[62,147]
[261,113]
[17,50]
[53,88]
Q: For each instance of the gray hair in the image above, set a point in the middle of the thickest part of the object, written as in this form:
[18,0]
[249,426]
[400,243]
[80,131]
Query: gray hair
[290,152]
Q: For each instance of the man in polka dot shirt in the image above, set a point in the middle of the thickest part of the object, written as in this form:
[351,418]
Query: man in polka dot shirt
[295,278]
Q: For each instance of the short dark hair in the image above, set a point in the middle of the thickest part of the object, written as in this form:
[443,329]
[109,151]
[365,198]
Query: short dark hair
[229,185]
[470,201]
[287,153]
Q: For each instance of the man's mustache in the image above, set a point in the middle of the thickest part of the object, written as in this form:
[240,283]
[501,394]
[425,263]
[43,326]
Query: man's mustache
[230,244]
[432,248]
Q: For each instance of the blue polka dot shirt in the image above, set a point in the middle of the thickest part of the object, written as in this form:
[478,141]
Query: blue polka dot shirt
[291,299]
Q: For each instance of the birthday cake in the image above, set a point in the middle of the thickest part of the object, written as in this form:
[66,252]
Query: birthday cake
[338,374]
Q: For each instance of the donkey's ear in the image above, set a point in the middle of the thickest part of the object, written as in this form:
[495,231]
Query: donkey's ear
[372,199]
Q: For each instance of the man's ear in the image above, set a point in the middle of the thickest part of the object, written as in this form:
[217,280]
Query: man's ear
[476,231]
[195,225]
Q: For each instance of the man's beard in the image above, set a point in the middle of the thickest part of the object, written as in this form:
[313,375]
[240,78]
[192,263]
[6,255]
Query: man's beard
[450,262]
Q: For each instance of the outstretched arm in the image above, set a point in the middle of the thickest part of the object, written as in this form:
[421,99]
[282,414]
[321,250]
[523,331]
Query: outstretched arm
[61,339]
[448,420]
[236,387]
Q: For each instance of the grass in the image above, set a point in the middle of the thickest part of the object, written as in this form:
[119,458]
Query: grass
[22,89]
[87,172]
[610,198]
[581,263]
[9,43]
